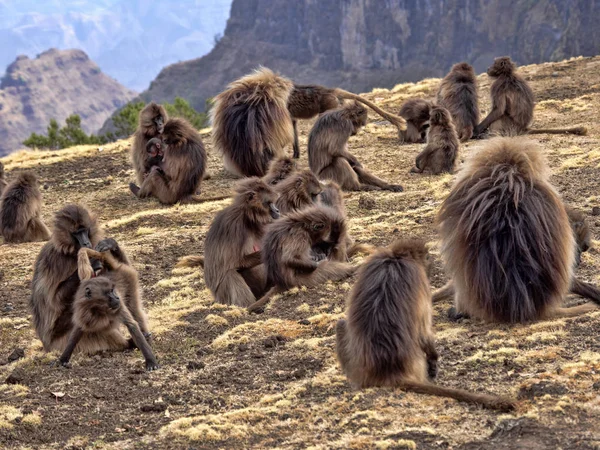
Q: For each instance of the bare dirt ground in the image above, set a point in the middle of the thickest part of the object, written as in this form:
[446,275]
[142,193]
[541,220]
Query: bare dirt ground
[230,380]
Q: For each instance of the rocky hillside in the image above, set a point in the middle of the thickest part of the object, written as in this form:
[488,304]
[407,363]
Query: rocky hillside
[361,44]
[55,85]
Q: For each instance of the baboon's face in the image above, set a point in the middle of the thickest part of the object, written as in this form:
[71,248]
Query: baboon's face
[101,296]
[152,119]
[267,200]
[154,148]
[312,186]
[73,225]
[324,229]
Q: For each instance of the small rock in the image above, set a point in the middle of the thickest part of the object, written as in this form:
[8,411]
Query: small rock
[304,322]
[555,74]
[155,407]
[46,187]
[365,202]
[269,343]
[596,386]
[8,307]
[17,353]
[540,389]
[243,347]
[596,211]
[195,365]
[14,378]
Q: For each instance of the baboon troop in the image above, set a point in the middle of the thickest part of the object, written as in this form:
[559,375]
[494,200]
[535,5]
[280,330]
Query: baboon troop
[251,122]
[20,211]
[441,150]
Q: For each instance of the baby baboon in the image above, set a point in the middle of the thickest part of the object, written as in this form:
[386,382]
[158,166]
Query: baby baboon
[306,102]
[512,104]
[387,339]
[288,254]
[20,211]
[416,113]
[3,182]
[328,154]
[232,262]
[279,170]
[151,122]
[506,239]
[179,175]
[55,278]
[441,150]
[155,150]
[298,191]
[251,122]
[102,303]
[458,94]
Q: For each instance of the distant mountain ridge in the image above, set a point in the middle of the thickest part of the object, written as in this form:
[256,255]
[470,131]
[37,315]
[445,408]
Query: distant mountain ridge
[54,85]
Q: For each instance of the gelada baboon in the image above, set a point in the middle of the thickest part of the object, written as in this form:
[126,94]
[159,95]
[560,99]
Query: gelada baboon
[307,101]
[458,94]
[151,122]
[506,240]
[3,182]
[179,175]
[251,122]
[328,155]
[156,152]
[439,155]
[512,104]
[387,338]
[104,300]
[232,262]
[298,191]
[279,170]
[55,278]
[416,113]
[288,255]
[20,211]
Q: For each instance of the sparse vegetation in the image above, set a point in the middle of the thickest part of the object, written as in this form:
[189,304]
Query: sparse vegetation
[68,136]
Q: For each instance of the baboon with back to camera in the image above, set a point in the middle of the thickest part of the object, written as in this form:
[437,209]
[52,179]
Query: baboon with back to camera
[151,124]
[20,211]
[328,155]
[387,338]
[288,254]
[179,175]
[458,94]
[3,182]
[251,122]
[416,113]
[105,299]
[298,191]
[506,240]
[307,101]
[512,104]
[439,155]
[233,269]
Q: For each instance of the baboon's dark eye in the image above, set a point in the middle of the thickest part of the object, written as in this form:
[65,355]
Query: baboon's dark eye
[318,226]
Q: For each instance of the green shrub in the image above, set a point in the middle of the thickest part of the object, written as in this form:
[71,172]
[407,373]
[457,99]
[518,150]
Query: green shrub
[68,136]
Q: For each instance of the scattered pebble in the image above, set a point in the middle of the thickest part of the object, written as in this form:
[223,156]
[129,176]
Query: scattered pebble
[596,211]
[17,354]
[304,322]
[365,202]
[155,407]
[195,365]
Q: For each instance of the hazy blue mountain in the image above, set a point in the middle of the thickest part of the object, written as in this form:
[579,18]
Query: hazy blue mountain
[131,40]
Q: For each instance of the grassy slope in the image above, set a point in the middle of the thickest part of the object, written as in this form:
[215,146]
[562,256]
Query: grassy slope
[269,380]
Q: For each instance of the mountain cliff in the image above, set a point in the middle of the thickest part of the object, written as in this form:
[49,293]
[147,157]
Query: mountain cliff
[55,85]
[361,44]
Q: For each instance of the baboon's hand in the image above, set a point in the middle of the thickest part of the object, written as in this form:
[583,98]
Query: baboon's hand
[151,365]
[134,188]
[106,245]
[59,363]
[396,188]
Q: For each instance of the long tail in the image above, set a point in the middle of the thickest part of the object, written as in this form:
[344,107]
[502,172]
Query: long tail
[485,400]
[199,199]
[586,290]
[361,248]
[579,131]
[397,121]
[444,292]
[191,261]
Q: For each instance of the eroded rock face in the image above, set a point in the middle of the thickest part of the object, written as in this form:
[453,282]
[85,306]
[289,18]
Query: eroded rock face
[361,44]
[54,85]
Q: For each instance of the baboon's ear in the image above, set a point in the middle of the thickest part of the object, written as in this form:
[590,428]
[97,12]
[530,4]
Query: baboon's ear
[88,292]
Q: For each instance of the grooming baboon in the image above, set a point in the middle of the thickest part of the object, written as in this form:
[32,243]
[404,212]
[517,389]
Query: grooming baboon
[439,155]
[232,262]
[3,182]
[306,102]
[101,304]
[20,211]
[279,170]
[155,150]
[298,191]
[416,113]
[55,278]
[151,122]
[458,94]
[251,122]
[506,239]
[512,104]
[387,338]
[288,255]
[328,154]
[179,175]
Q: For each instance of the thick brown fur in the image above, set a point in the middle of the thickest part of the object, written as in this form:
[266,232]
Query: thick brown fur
[387,338]
[328,154]
[506,239]
[439,155]
[3,182]
[251,122]
[416,113]
[21,211]
[55,278]
[151,122]
[288,255]
[279,170]
[178,177]
[298,191]
[232,262]
[458,94]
